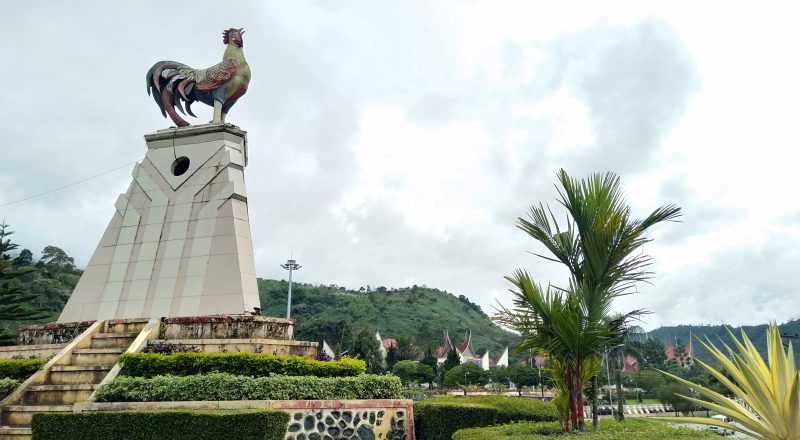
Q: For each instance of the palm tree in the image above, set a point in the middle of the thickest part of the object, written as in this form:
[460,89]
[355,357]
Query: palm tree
[597,244]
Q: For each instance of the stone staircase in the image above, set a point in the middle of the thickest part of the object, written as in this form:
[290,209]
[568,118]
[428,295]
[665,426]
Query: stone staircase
[71,379]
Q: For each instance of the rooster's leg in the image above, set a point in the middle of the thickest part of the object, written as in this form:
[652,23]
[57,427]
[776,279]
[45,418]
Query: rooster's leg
[219,118]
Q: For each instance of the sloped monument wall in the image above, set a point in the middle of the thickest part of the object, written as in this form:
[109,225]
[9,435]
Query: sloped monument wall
[179,242]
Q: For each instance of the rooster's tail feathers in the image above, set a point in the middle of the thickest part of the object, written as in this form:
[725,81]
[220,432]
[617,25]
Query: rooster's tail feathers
[162,80]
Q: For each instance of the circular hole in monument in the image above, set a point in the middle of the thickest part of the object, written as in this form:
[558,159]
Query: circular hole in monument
[180,166]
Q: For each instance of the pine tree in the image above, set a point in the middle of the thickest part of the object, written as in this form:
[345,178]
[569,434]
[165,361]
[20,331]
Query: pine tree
[14,303]
[391,358]
[453,360]
[366,347]
[429,359]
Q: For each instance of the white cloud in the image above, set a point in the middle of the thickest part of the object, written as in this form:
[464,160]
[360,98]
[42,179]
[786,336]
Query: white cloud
[395,143]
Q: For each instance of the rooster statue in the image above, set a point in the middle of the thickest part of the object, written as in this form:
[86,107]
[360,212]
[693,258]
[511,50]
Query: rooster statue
[219,86]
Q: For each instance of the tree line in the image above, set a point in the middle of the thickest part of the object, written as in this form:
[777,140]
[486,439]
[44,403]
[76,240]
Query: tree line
[32,290]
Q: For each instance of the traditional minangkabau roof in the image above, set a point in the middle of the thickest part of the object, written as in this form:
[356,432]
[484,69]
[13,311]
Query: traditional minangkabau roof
[669,350]
[442,351]
[328,350]
[630,365]
[465,349]
[683,358]
[501,360]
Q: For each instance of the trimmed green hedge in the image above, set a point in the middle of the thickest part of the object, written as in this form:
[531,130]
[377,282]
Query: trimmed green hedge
[439,420]
[223,386]
[609,430]
[20,369]
[161,425]
[7,386]
[244,364]
[438,417]
[511,409]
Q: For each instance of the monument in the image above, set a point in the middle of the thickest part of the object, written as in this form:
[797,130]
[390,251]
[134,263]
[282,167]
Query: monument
[179,242]
[175,269]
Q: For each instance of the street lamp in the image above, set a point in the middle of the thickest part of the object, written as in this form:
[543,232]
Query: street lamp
[608,375]
[541,385]
[291,265]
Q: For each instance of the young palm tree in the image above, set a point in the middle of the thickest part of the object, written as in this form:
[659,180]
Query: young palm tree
[597,244]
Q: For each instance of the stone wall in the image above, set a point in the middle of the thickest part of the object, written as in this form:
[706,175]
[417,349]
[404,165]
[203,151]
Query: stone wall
[227,327]
[350,424]
[380,419]
[52,333]
[43,351]
[274,347]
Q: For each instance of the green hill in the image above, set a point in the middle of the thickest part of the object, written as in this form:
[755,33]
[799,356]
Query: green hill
[422,313]
[756,333]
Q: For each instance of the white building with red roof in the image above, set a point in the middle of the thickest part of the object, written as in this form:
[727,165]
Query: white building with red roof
[467,354]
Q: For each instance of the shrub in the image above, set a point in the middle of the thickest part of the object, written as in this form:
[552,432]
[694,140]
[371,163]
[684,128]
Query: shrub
[439,420]
[223,386]
[161,425]
[164,347]
[422,393]
[7,386]
[244,364]
[608,430]
[20,369]
[511,409]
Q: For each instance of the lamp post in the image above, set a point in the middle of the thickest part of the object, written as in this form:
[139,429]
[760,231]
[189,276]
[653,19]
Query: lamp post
[541,385]
[608,375]
[291,265]
[608,378]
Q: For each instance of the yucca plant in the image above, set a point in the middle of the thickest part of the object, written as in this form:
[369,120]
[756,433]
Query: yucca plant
[770,393]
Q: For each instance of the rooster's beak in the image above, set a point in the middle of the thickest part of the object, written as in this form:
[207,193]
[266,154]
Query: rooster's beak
[241,31]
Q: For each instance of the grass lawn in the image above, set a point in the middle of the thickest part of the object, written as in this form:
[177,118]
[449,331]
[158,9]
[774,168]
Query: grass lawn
[609,430]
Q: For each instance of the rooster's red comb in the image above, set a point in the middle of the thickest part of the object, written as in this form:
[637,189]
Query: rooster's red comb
[226,35]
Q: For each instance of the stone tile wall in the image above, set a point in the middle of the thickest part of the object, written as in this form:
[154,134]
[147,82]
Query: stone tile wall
[379,419]
[366,424]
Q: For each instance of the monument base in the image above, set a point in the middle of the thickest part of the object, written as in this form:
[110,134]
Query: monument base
[179,241]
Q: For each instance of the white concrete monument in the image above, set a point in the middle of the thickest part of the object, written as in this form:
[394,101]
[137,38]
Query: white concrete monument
[179,242]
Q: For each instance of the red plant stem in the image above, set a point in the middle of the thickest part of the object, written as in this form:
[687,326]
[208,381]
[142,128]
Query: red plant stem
[573,407]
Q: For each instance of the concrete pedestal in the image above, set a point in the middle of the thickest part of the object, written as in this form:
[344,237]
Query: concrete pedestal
[179,242]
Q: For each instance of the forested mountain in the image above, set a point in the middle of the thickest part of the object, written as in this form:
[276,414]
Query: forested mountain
[335,313]
[31,290]
[715,333]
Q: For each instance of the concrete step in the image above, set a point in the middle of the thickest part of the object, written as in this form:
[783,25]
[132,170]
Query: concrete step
[15,433]
[96,356]
[57,394]
[126,325]
[78,374]
[113,340]
[20,415]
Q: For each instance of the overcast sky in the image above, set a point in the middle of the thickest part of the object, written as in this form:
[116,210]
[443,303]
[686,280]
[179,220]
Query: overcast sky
[395,143]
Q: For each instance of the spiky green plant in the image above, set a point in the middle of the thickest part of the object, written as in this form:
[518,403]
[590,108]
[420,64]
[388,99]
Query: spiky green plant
[770,393]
